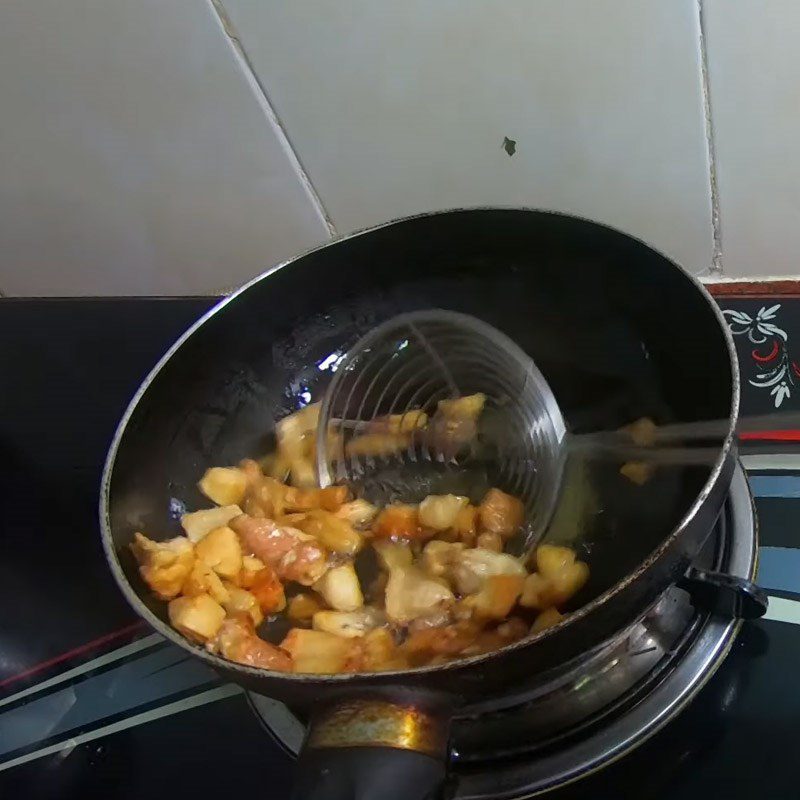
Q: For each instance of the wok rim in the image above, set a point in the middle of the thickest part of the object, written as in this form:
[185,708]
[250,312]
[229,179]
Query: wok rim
[366,679]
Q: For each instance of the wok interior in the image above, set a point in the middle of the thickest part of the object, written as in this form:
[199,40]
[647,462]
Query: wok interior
[617,330]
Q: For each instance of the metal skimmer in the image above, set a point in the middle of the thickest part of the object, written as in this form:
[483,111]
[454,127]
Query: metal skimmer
[409,364]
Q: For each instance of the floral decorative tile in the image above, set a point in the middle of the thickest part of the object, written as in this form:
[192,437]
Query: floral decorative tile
[766,332]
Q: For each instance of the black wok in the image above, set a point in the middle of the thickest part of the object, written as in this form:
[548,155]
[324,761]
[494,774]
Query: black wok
[619,332]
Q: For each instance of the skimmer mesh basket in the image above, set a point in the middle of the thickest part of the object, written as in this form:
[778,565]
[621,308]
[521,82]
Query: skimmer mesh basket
[388,426]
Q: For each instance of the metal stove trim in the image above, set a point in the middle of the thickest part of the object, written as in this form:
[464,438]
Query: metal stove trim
[664,703]
[699,663]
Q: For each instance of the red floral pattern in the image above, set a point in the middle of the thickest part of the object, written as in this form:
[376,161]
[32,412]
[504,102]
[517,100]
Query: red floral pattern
[776,370]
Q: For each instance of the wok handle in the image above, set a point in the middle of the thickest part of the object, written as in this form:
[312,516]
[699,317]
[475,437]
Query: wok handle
[726,595]
[374,749]
[367,773]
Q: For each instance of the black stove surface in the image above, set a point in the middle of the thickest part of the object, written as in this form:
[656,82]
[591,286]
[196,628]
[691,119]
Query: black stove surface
[92,702]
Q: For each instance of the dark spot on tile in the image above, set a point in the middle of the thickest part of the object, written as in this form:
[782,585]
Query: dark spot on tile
[509,145]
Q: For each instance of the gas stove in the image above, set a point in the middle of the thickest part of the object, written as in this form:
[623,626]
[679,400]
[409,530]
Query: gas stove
[575,720]
[681,705]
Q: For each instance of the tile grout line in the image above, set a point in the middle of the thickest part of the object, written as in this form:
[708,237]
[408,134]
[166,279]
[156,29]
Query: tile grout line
[716,269]
[218,10]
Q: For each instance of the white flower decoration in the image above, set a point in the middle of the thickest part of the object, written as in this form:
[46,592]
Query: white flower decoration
[758,329]
[779,392]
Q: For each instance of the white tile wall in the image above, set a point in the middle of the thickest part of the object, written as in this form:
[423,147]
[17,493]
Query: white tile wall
[397,108]
[754,75]
[138,156]
[134,154]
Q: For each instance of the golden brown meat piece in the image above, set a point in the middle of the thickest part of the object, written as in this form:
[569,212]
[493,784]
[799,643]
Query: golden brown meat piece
[203,580]
[490,541]
[329,499]
[377,444]
[392,554]
[569,582]
[437,617]
[164,566]
[398,522]
[237,641]
[466,525]
[303,606]
[251,470]
[274,498]
[423,645]
[220,549]
[496,597]
[455,422]
[440,511]
[359,513]
[500,513]
[266,497]
[411,593]
[263,538]
[489,640]
[319,652]
[472,567]
[306,563]
[197,618]
[638,472]
[340,588]
[200,523]
[552,558]
[251,566]
[512,629]
[564,572]
[294,555]
[296,434]
[275,465]
[643,432]
[438,558]
[349,624]
[379,652]
[547,619]
[560,576]
[537,593]
[268,591]
[469,407]
[412,420]
[375,651]
[241,601]
[224,485]
[333,532]
[386,435]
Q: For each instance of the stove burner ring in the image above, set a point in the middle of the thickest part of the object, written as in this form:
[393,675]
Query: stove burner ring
[586,717]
